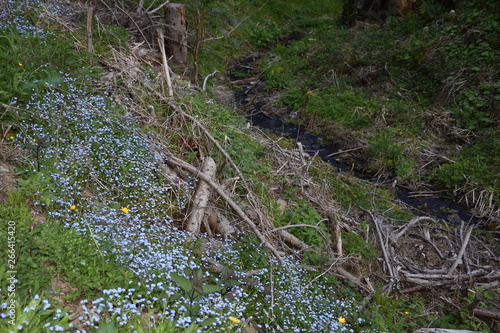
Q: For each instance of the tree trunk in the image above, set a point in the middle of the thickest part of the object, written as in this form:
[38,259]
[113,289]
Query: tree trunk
[176,34]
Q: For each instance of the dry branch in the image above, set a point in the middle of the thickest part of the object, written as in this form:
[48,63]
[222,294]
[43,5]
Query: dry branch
[219,223]
[462,249]
[166,71]
[411,224]
[90,15]
[488,313]
[377,221]
[200,197]
[180,163]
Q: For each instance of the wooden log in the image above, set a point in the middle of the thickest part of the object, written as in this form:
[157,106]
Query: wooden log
[219,223]
[176,34]
[200,197]
[488,313]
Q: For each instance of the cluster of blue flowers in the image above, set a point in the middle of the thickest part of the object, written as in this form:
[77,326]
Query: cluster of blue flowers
[108,183]
[13,13]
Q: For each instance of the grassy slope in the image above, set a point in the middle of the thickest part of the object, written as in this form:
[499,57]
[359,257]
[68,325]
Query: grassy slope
[109,244]
[420,93]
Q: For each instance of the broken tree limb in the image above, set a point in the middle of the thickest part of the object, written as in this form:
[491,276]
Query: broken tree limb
[182,164]
[462,249]
[250,195]
[357,281]
[90,16]
[200,197]
[161,43]
[291,239]
[219,223]
[487,313]
[410,224]
[383,245]
[206,79]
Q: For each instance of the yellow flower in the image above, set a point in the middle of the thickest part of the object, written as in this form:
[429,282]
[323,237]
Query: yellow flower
[34,140]
[19,64]
[73,207]
[11,137]
[125,210]
[341,319]
[235,320]
[407,313]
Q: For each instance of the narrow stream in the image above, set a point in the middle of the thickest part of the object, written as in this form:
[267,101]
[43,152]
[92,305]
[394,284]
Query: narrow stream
[422,205]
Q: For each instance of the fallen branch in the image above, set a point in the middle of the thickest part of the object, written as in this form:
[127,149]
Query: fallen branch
[180,163]
[487,313]
[294,240]
[376,221]
[411,224]
[462,249]
[206,79]
[357,281]
[345,151]
[200,198]
[219,223]
[161,43]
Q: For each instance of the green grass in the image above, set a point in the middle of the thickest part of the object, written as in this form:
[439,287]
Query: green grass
[385,75]
[93,208]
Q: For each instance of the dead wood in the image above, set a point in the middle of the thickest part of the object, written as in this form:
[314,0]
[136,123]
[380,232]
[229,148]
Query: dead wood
[487,313]
[409,225]
[291,239]
[200,197]
[90,16]
[219,223]
[166,70]
[356,280]
[265,242]
[462,249]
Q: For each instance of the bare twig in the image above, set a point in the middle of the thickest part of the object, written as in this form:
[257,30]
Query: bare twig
[345,151]
[410,224]
[159,7]
[383,245]
[206,79]
[462,249]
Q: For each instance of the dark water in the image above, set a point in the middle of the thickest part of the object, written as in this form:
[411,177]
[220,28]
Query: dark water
[422,205]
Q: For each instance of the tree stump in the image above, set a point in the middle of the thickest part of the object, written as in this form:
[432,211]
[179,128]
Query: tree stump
[176,34]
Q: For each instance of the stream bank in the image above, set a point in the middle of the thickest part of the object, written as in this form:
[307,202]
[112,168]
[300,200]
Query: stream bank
[262,110]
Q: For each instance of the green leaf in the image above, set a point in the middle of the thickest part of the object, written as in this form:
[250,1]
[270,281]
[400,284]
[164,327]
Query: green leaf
[210,289]
[191,329]
[184,283]
[109,327]
[208,322]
